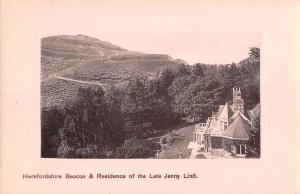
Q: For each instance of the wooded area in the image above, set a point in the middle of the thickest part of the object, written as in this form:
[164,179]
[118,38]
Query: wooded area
[115,123]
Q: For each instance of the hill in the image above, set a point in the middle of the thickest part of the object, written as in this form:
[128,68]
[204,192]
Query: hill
[79,47]
[83,58]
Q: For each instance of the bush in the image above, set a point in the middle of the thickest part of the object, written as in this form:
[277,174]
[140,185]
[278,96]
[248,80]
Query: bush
[216,142]
[135,148]
[91,151]
[65,151]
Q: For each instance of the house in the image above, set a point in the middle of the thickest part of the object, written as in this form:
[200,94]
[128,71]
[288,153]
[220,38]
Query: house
[228,129]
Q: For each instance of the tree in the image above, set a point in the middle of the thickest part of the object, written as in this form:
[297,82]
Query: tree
[198,70]
[180,84]
[88,126]
[253,148]
[166,79]
[135,108]
[146,106]
[254,53]
[199,98]
[183,70]
[113,100]
[51,121]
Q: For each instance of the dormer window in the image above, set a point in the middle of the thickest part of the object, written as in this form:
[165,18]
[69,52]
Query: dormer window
[225,125]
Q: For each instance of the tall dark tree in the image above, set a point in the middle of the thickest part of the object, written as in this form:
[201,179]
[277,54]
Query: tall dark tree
[198,70]
[253,148]
[183,70]
[88,126]
[135,107]
[51,121]
[166,78]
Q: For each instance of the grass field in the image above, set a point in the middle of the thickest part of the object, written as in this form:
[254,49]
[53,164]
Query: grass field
[185,135]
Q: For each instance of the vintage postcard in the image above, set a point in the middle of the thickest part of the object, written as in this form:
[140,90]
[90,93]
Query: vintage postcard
[149,96]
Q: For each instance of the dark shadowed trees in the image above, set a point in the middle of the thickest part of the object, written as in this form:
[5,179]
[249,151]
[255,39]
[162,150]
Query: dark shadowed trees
[253,148]
[51,121]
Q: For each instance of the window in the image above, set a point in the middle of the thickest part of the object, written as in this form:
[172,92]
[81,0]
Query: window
[243,149]
[233,149]
[199,140]
[238,150]
[225,125]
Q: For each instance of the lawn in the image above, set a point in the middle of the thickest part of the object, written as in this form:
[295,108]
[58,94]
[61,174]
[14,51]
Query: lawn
[185,135]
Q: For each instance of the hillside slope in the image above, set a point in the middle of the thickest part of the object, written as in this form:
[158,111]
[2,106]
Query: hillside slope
[79,57]
[79,46]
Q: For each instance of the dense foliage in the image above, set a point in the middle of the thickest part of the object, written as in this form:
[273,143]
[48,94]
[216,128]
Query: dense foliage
[115,123]
[136,148]
[253,149]
[197,90]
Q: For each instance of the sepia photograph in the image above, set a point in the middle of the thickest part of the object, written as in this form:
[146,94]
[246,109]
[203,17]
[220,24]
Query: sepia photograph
[101,100]
[149,96]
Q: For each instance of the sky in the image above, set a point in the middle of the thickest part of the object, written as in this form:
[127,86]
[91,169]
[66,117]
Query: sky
[195,31]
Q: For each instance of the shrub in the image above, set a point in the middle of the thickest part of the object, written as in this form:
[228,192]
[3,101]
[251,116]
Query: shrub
[65,151]
[216,142]
[91,151]
[135,148]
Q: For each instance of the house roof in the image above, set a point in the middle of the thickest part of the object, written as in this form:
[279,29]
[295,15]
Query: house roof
[220,108]
[255,112]
[236,114]
[239,129]
[225,113]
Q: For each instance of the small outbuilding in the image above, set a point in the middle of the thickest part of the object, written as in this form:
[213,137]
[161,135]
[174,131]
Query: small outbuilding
[237,136]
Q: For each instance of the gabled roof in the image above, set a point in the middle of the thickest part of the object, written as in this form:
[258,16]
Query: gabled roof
[236,114]
[239,129]
[225,113]
[255,112]
[220,108]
